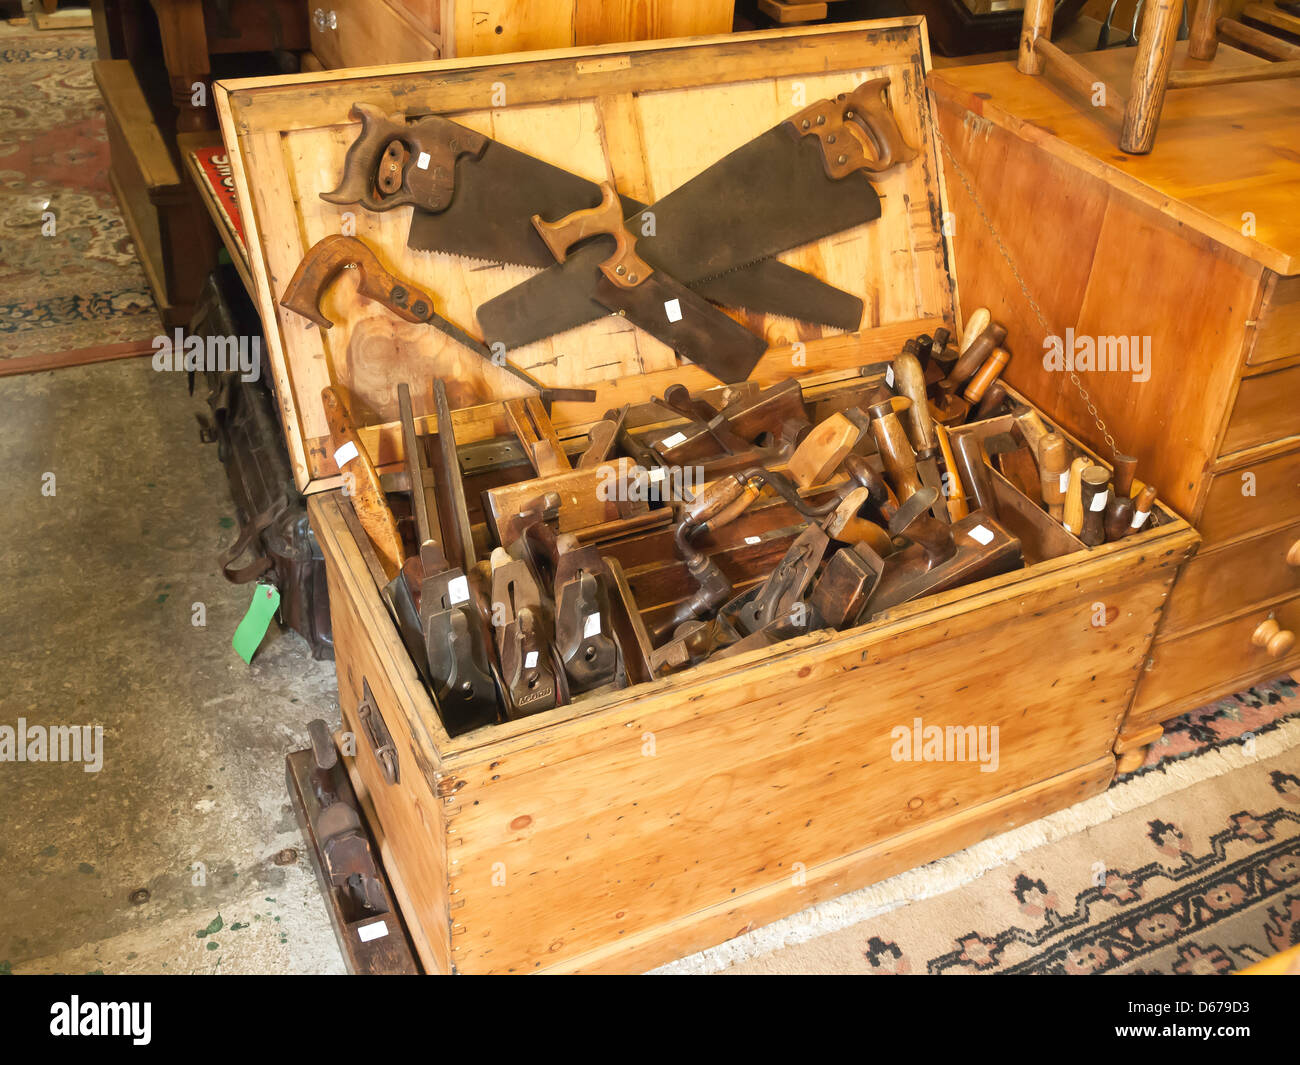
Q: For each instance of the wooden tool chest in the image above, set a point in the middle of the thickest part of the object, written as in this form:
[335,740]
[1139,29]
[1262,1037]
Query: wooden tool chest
[629,828]
[1196,247]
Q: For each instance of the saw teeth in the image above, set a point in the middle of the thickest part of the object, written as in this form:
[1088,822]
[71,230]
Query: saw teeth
[475,258]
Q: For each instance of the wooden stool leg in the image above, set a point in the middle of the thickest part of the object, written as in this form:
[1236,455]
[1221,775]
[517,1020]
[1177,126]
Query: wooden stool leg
[1203,38]
[1036,23]
[1155,54]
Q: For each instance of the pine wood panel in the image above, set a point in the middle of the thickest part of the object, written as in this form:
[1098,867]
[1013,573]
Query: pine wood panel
[1179,666]
[630,841]
[1266,409]
[372,31]
[655,115]
[1118,268]
[1277,335]
[1216,154]
[1237,505]
[1221,582]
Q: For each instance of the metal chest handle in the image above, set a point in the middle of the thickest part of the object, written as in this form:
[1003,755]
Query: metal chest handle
[381,742]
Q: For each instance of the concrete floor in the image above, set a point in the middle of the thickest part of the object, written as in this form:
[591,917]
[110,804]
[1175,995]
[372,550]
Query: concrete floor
[97,586]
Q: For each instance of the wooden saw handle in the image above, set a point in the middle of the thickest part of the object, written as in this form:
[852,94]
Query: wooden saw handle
[362,484]
[856,131]
[328,258]
[624,268]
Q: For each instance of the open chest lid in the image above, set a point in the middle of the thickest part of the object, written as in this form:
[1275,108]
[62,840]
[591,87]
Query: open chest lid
[647,117]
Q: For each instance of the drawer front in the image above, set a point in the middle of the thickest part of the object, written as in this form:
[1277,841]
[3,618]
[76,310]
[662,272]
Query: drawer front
[1277,334]
[1252,497]
[383,756]
[360,33]
[1183,666]
[1266,410]
[1228,581]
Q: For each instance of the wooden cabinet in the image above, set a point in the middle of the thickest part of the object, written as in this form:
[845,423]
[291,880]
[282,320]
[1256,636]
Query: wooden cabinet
[1193,250]
[631,827]
[349,33]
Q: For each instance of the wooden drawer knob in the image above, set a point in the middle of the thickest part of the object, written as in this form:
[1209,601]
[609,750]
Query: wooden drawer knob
[1276,640]
[1293,555]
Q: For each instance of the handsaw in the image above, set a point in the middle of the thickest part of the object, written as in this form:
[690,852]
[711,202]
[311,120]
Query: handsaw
[474,197]
[329,256]
[650,298]
[816,166]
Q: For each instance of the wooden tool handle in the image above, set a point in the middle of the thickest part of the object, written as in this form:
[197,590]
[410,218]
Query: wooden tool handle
[1034,430]
[844,524]
[1275,640]
[1119,515]
[973,357]
[328,258]
[624,268]
[434,142]
[909,379]
[1142,504]
[856,131]
[1125,468]
[958,507]
[1293,554]
[972,463]
[987,374]
[362,484]
[1094,493]
[1072,516]
[1052,464]
[820,453]
[895,451]
[979,320]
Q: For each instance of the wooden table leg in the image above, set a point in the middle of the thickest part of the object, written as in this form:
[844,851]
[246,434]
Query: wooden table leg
[185,51]
[1155,54]
[1203,38]
[1036,24]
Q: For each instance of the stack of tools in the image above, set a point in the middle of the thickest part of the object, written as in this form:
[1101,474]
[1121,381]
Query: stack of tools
[939,387]
[540,620]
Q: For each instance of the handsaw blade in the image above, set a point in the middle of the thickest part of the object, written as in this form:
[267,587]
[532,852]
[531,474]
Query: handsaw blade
[771,287]
[490,216]
[490,219]
[686,322]
[702,231]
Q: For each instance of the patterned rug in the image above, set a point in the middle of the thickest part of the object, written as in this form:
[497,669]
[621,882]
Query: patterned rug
[69,277]
[1189,865]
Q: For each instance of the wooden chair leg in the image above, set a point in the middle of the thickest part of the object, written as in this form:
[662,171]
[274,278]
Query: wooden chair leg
[1155,54]
[1037,22]
[1203,37]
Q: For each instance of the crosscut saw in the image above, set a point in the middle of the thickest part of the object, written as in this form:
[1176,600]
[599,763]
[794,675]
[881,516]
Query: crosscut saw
[475,196]
[802,180]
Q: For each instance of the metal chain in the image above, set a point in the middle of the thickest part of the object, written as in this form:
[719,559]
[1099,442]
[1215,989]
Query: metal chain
[1033,304]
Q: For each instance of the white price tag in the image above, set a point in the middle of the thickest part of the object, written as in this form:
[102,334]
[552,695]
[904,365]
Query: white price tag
[592,628]
[981,535]
[673,441]
[1065,480]
[657,474]
[367,932]
[673,308]
[889,377]
[530,660]
[1099,501]
[458,590]
[752,540]
[345,454]
[423,161]
[1139,516]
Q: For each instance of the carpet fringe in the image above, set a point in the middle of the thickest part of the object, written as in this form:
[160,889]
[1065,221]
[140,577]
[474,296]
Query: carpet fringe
[967,865]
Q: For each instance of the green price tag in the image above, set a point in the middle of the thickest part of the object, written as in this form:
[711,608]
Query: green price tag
[266,600]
